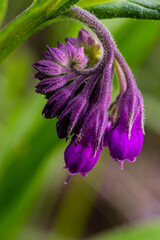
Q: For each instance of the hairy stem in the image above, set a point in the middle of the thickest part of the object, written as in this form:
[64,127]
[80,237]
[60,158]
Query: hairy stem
[106,41]
[101,32]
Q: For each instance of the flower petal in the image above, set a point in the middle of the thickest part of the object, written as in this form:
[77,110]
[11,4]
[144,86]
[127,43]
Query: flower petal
[76,109]
[47,56]
[50,68]
[61,46]
[73,41]
[70,50]
[58,56]
[53,83]
[60,99]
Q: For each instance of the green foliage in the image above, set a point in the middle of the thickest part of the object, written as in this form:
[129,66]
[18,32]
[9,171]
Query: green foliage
[3,7]
[142,9]
[27,23]
[143,232]
[23,152]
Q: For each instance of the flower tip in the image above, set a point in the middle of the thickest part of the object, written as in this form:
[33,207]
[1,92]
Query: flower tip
[34,65]
[67,179]
[83,174]
[48,48]
[134,160]
[122,165]
[60,46]
[143,131]
[97,146]
[129,129]
[34,76]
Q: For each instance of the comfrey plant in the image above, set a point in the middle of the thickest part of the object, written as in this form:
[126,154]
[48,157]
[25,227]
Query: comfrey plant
[76,78]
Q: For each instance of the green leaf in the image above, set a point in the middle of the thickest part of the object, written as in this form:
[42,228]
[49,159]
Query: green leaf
[29,144]
[3,8]
[35,17]
[22,169]
[71,221]
[141,9]
[143,232]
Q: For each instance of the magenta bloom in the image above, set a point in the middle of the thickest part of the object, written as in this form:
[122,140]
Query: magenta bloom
[121,147]
[76,79]
[81,158]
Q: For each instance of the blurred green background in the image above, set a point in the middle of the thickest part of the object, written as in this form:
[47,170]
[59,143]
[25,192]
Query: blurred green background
[108,204]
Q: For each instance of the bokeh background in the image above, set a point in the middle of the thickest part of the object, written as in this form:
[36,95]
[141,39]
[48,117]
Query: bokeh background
[108,204]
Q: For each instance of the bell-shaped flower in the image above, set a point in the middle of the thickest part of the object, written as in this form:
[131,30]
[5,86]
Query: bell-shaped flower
[121,146]
[80,157]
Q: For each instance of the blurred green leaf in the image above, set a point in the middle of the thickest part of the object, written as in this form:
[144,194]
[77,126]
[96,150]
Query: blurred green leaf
[71,219]
[146,231]
[28,141]
[29,22]
[3,8]
[129,37]
[142,9]
[20,171]
[130,40]
[152,114]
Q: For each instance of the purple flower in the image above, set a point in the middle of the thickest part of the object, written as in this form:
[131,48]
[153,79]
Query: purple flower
[76,109]
[97,116]
[107,133]
[76,78]
[59,99]
[61,60]
[121,147]
[81,158]
[124,135]
[92,48]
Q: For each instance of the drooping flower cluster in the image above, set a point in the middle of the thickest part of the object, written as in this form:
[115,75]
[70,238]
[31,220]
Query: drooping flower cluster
[80,97]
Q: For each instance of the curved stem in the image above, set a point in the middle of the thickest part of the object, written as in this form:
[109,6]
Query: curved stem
[101,32]
[106,41]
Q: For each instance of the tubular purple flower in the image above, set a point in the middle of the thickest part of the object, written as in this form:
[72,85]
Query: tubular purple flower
[81,158]
[97,116]
[125,140]
[130,97]
[107,133]
[121,147]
